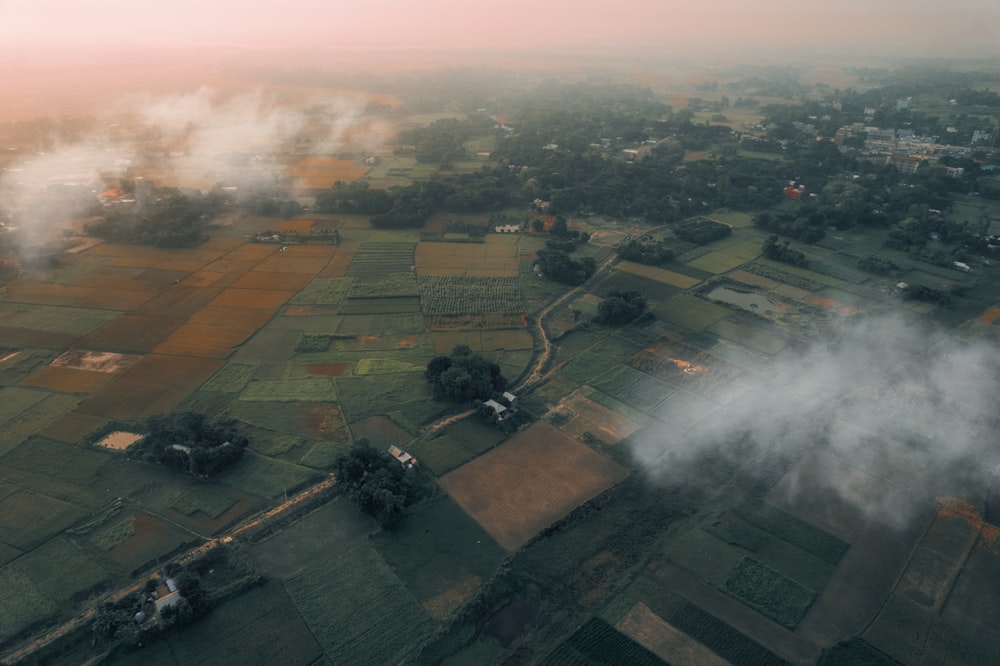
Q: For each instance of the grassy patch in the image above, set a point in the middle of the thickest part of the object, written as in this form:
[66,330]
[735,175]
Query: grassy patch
[441,454]
[436,550]
[27,518]
[722,639]
[324,291]
[208,499]
[24,605]
[767,591]
[690,311]
[384,286]
[261,626]
[362,397]
[401,305]
[358,609]
[266,477]
[232,378]
[61,571]
[814,541]
[386,366]
[306,389]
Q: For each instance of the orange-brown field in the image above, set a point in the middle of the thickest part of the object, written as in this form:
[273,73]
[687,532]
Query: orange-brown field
[251,299]
[277,281]
[990,316]
[530,481]
[131,333]
[466,259]
[67,380]
[338,265]
[662,639]
[85,297]
[295,226]
[322,172]
[73,427]
[290,262]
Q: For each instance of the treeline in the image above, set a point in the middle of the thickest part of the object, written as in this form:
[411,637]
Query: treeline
[556,264]
[444,139]
[702,231]
[777,251]
[645,251]
[165,218]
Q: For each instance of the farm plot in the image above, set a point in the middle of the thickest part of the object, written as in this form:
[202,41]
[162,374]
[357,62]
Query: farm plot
[313,420]
[61,571]
[124,299]
[773,595]
[364,397]
[441,555]
[316,172]
[131,333]
[584,419]
[374,258]
[300,262]
[530,481]
[66,380]
[306,389]
[662,639]
[335,527]
[754,337]
[362,306]
[59,319]
[267,477]
[466,260]
[659,274]
[717,262]
[24,607]
[462,295]
[597,642]
[258,279]
[689,311]
[324,291]
[27,518]
[440,452]
[686,367]
[384,286]
[358,609]
[260,626]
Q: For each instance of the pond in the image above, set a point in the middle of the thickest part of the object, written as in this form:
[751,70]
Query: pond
[748,300]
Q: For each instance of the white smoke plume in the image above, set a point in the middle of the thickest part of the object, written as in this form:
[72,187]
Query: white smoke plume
[890,402]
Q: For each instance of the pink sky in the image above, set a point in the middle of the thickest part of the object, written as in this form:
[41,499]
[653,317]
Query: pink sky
[914,27]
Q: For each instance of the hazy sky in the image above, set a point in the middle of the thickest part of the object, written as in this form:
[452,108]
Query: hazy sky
[911,27]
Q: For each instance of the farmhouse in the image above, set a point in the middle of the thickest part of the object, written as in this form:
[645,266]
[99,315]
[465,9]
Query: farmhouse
[168,601]
[404,458]
[500,410]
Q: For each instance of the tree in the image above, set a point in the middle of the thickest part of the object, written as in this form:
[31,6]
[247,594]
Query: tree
[463,376]
[620,307]
[376,483]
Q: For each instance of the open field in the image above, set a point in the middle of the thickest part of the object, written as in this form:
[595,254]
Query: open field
[526,483]
[357,609]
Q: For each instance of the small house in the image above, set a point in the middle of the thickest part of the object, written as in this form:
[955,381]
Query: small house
[404,458]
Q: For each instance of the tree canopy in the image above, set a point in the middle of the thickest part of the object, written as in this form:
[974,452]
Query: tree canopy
[620,307]
[464,376]
[376,482]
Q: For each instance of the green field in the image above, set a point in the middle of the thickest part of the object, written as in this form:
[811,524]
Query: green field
[690,311]
[232,378]
[367,306]
[379,258]
[357,609]
[307,389]
[213,501]
[324,291]
[266,477]
[24,605]
[767,591]
[470,295]
[384,286]
[27,519]
[441,554]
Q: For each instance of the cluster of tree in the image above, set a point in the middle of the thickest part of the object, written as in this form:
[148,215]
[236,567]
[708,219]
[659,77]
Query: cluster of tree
[377,483]
[463,376]
[443,140]
[164,218]
[919,292]
[776,251]
[133,620]
[621,307]
[189,442]
[559,266]
[646,251]
[877,265]
[806,227]
[323,236]
[702,231]
[271,203]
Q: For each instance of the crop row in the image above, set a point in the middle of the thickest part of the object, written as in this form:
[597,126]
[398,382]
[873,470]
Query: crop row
[469,295]
[383,286]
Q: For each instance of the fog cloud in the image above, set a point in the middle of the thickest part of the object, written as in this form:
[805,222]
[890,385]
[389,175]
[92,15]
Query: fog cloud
[890,399]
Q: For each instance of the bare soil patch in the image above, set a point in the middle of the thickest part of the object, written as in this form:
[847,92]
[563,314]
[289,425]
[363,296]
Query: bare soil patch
[529,482]
[585,417]
[95,361]
[327,369]
[664,640]
[119,440]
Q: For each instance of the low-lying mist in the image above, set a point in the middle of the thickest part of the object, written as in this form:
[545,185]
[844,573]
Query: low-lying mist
[195,140]
[891,408]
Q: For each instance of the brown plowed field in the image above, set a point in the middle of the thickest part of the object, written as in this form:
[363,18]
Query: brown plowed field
[529,482]
[67,380]
[277,281]
[251,298]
